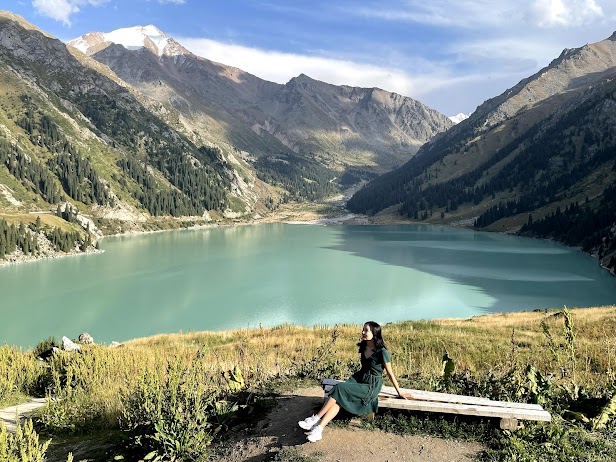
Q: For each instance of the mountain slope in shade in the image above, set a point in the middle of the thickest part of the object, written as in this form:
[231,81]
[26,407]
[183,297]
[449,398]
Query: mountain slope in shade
[71,131]
[538,159]
[336,125]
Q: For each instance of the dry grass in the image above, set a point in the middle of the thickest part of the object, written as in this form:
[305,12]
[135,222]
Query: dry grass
[478,344]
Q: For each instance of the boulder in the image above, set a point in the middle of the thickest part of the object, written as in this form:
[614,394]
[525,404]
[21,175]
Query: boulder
[69,345]
[86,339]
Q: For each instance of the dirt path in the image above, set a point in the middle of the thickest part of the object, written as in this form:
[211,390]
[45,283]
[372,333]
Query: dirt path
[8,414]
[279,429]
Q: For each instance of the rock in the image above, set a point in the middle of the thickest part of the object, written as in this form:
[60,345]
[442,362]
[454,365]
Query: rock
[114,344]
[69,345]
[86,339]
[47,354]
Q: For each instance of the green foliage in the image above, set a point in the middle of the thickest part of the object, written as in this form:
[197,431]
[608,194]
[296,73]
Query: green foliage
[79,179]
[44,345]
[303,179]
[34,175]
[23,446]
[448,369]
[157,201]
[168,416]
[558,441]
[324,363]
[65,241]
[19,373]
[16,237]
[234,378]
[607,413]
[291,454]
[441,425]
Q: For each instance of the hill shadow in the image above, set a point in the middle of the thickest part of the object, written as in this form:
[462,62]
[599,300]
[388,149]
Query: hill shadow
[516,273]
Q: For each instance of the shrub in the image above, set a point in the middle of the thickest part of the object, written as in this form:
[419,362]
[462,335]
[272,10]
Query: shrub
[19,373]
[167,414]
[23,446]
[44,346]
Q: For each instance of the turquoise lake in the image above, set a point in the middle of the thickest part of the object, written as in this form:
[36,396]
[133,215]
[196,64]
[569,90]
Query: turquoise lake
[232,277]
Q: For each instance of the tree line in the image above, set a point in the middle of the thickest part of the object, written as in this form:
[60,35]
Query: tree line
[197,173]
[75,172]
[34,175]
[303,179]
[21,237]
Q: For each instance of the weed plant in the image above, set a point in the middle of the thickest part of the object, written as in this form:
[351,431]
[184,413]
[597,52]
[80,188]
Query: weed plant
[22,446]
[20,374]
[170,396]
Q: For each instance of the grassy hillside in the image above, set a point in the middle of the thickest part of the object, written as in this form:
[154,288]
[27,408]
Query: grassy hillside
[173,395]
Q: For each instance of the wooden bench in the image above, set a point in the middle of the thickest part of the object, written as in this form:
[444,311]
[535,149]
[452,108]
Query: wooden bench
[429,401]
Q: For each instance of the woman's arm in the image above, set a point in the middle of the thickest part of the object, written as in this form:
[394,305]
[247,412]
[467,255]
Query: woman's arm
[393,380]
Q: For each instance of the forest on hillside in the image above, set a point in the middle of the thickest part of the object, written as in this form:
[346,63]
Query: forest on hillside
[547,165]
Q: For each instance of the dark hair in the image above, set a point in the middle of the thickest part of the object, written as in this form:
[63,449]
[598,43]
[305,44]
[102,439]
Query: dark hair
[377,336]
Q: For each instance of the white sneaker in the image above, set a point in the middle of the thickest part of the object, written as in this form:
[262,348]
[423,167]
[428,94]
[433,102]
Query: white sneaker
[315,434]
[309,422]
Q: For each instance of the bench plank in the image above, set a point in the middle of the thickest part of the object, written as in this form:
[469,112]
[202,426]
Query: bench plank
[455,404]
[465,409]
[443,397]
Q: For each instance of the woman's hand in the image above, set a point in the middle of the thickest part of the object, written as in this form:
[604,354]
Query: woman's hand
[405,396]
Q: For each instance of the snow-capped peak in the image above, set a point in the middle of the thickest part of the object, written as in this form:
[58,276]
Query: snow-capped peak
[132,38]
[459,118]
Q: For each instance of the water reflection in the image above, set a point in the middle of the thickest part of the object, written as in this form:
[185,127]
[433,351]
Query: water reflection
[223,278]
[516,273]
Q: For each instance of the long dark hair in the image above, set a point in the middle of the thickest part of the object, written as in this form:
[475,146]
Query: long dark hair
[377,336]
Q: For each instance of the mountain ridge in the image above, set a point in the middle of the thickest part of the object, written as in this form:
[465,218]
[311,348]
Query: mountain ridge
[313,130]
[522,159]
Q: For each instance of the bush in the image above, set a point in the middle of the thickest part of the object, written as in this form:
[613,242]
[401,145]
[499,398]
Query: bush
[167,415]
[23,446]
[44,346]
[19,374]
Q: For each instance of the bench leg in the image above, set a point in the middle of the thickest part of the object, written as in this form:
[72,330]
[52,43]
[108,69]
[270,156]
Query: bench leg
[509,424]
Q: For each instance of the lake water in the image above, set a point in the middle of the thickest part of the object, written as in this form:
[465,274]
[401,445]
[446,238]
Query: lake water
[231,277]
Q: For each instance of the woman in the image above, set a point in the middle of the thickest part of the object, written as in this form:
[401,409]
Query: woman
[359,394]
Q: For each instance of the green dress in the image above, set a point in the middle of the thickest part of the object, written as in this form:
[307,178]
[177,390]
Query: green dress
[359,394]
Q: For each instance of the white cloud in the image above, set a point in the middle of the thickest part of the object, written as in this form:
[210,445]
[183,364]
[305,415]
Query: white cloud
[61,10]
[567,13]
[432,83]
[448,13]
[176,2]
[269,65]
[487,13]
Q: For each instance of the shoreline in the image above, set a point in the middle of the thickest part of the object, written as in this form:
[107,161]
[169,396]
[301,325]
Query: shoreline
[19,258]
[346,219]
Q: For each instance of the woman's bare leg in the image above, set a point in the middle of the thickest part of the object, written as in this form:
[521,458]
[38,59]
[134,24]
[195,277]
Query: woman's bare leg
[329,414]
[326,407]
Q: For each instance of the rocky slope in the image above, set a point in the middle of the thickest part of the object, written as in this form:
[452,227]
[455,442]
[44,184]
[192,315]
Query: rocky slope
[336,125]
[71,130]
[542,154]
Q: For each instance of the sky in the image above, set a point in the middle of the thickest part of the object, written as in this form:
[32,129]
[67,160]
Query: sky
[449,54]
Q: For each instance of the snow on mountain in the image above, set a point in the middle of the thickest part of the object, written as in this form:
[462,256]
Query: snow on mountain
[132,38]
[459,117]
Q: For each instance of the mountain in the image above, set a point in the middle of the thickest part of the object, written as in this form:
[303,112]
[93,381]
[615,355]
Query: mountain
[336,126]
[166,137]
[73,135]
[539,159]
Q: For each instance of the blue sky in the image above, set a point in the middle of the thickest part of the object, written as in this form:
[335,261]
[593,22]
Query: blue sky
[449,54]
